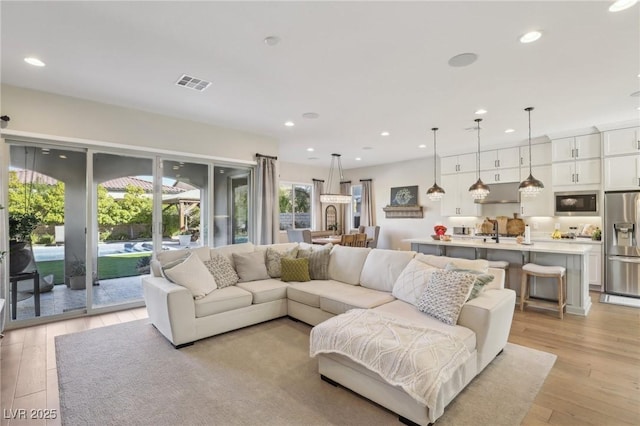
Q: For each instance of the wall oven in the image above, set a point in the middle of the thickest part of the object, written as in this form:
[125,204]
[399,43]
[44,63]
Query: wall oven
[577,203]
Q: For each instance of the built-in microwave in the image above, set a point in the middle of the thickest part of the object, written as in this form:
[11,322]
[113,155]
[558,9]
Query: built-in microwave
[577,203]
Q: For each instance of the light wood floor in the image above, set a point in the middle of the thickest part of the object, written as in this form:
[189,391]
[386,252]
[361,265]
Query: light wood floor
[595,380]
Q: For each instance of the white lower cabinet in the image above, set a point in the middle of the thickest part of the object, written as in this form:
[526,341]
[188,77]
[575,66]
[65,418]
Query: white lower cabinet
[595,267]
[622,173]
[456,200]
[541,204]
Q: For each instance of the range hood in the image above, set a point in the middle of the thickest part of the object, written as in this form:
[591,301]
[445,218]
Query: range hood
[502,193]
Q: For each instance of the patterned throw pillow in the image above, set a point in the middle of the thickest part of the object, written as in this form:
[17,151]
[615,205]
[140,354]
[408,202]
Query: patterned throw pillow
[274,258]
[478,285]
[412,281]
[295,270]
[222,270]
[445,294]
[318,261]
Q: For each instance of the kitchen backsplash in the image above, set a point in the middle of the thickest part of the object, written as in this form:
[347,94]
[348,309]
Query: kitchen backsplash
[540,226]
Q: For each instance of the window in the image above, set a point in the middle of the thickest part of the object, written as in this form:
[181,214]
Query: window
[356,205]
[295,206]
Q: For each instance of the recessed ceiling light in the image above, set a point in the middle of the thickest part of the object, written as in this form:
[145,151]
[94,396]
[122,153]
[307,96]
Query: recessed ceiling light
[481,111]
[621,5]
[310,115]
[463,60]
[289,124]
[34,61]
[358,158]
[509,131]
[271,40]
[422,146]
[638,108]
[635,94]
[530,37]
[384,134]
[310,149]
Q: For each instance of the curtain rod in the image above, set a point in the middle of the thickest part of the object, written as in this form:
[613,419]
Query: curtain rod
[345,181]
[266,156]
[366,180]
[318,180]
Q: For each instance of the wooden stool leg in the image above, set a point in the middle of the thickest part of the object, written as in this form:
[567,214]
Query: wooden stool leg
[507,284]
[523,289]
[560,296]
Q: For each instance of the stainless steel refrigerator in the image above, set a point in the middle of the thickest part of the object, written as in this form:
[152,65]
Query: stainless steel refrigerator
[621,238]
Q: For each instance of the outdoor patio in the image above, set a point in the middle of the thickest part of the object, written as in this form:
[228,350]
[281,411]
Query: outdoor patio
[62,299]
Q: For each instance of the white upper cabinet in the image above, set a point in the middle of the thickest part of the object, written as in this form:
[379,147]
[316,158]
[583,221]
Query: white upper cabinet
[500,158]
[586,172]
[500,175]
[622,173]
[458,163]
[623,141]
[576,148]
[540,154]
[457,201]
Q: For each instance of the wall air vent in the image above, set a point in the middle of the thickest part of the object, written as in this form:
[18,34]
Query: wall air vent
[193,83]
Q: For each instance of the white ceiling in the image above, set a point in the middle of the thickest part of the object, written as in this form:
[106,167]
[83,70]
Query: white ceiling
[364,67]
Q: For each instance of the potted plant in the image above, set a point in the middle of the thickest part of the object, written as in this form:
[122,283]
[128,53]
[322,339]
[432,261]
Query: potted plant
[184,237]
[77,275]
[21,225]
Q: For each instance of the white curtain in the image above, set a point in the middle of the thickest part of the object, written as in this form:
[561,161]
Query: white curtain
[345,189]
[316,205]
[267,213]
[366,206]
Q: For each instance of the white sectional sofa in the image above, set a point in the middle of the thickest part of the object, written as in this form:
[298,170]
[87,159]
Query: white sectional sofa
[357,278]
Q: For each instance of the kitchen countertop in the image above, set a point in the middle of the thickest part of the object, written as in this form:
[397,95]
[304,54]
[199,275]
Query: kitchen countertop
[537,246]
[534,239]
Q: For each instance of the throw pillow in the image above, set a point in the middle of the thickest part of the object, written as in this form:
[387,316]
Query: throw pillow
[274,257]
[478,285]
[192,274]
[318,261]
[222,270]
[412,281]
[250,266]
[295,270]
[445,294]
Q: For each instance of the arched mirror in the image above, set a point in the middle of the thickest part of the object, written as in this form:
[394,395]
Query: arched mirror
[331,218]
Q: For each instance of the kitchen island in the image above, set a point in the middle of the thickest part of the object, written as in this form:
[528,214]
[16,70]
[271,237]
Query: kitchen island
[574,257]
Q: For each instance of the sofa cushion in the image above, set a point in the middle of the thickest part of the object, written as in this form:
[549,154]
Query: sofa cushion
[352,297]
[412,281]
[250,266]
[222,300]
[265,290]
[318,261]
[170,255]
[401,310]
[478,285]
[345,263]
[308,293]
[445,294]
[222,270]
[191,273]
[273,259]
[228,251]
[442,262]
[295,270]
[382,268]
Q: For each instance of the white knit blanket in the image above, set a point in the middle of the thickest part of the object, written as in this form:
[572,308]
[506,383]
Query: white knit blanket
[417,359]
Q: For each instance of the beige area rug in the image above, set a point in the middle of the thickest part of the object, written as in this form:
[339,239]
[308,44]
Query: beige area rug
[260,375]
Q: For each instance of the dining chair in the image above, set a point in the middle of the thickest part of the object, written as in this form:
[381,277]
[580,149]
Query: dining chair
[372,234]
[361,240]
[299,235]
[348,240]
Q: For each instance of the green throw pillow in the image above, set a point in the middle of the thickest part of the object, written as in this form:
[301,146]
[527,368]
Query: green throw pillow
[482,279]
[295,269]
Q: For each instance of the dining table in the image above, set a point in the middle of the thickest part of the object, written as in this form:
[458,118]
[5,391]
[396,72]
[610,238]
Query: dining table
[333,239]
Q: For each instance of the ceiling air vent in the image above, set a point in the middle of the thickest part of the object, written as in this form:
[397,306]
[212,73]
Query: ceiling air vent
[193,83]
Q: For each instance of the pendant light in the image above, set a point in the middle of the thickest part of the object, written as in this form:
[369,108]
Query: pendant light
[334,198]
[530,187]
[435,193]
[478,190]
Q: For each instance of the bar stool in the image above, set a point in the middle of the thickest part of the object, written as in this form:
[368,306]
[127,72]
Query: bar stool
[533,270]
[501,264]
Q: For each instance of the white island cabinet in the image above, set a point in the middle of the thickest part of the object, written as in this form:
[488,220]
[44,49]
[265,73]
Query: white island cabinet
[574,257]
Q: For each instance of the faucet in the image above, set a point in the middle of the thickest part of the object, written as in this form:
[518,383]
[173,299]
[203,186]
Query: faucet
[495,231]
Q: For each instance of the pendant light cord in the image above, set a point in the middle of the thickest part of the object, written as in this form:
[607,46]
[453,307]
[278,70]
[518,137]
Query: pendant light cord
[478,120]
[528,109]
[435,129]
